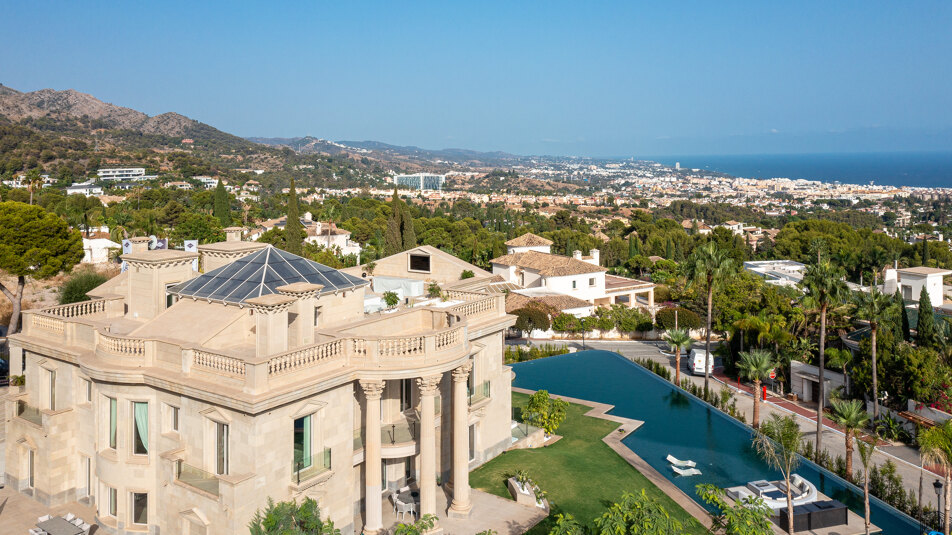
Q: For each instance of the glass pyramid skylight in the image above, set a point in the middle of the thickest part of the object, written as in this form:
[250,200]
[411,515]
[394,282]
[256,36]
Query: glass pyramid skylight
[261,273]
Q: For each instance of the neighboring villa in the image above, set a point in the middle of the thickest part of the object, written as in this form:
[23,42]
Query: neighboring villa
[777,272]
[317,232]
[178,401]
[537,272]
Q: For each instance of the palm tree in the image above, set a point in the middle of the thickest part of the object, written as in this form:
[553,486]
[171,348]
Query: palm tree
[866,450]
[678,340]
[824,282]
[33,181]
[935,444]
[778,443]
[875,307]
[751,322]
[756,365]
[851,416]
[707,267]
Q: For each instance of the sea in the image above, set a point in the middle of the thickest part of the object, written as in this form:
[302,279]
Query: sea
[914,169]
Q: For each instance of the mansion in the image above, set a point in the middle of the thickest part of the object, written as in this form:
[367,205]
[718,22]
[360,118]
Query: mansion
[178,401]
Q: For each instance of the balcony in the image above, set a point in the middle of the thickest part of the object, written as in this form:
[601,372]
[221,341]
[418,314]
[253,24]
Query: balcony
[480,393]
[307,467]
[392,434]
[29,413]
[197,478]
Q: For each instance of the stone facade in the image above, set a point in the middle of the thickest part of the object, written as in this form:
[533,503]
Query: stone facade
[171,414]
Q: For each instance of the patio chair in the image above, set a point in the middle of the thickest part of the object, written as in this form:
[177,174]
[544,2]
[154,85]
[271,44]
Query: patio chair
[679,463]
[37,531]
[69,517]
[393,500]
[686,472]
[85,527]
[404,508]
[44,518]
[76,521]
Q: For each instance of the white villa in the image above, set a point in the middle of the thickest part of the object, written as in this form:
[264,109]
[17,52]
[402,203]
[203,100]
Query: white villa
[531,265]
[178,401]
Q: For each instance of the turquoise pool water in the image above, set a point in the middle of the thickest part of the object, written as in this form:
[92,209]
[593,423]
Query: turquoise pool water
[685,427]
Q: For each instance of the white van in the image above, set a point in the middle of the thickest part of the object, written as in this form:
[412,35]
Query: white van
[698,358]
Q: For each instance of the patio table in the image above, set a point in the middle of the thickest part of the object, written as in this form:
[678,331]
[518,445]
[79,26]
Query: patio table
[59,526]
[408,496]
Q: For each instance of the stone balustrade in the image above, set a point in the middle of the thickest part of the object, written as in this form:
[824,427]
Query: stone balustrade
[218,363]
[82,308]
[121,346]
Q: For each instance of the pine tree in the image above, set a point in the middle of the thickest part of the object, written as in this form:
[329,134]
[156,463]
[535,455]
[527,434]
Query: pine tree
[222,206]
[293,230]
[925,328]
[394,239]
[903,318]
[925,250]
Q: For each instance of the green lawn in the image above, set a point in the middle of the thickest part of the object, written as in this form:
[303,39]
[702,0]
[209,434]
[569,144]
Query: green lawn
[580,472]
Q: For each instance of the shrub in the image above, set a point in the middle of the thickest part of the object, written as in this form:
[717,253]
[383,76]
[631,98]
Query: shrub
[75,288]
[546,412]
[466,274]
[519,354]
[530,319]
[662,293]
[686,319]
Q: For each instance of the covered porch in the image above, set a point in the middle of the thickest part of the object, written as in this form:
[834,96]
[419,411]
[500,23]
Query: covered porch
[629,292]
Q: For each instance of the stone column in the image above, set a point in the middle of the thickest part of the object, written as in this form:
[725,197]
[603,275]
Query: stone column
[429,388]
[373,510]
[461,505]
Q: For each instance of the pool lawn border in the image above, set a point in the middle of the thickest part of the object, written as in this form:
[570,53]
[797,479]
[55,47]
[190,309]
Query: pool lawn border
[614,441]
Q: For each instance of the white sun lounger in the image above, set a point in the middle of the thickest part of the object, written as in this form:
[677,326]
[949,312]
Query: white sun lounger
[679,463]
[688,472]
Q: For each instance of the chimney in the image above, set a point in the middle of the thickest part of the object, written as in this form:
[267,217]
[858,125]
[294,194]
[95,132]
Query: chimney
[139,244]
[233,233]
[271,323]
[577,254]
[301,315]
[594,254]
[308,216]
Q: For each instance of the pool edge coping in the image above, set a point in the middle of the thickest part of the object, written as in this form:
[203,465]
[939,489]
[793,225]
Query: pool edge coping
[614,441]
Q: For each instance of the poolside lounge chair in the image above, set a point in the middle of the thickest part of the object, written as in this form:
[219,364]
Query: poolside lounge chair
[686,472]
[679,463]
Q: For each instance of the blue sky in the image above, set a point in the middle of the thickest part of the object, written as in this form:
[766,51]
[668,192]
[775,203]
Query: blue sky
[572,78]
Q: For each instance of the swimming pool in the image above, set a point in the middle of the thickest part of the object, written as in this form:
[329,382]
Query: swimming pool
[683,426]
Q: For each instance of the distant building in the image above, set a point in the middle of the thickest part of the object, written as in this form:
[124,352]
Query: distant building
[124,173]
[777,272]
[86,188]
[909,282]
[420,181]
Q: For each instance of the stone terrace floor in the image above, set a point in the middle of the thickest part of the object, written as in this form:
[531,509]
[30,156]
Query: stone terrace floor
[18,512]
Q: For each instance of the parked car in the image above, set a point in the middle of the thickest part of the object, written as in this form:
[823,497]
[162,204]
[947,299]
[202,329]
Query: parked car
[697,360]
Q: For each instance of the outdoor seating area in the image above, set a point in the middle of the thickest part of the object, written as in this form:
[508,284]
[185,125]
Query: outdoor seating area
[405,501]
[69,524]
[774,492]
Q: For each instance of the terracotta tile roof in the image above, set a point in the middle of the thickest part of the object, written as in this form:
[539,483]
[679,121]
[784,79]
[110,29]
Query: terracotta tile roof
[515,301]
[923,270]
[548,265]
[529,240]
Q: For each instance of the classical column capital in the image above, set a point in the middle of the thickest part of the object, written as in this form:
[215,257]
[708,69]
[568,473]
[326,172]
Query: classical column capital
[373,388]
[461,374]
[429,385]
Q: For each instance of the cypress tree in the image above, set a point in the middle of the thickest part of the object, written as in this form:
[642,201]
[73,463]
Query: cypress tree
[903,317]
[394,238]
[633,245]
[925,328]
[406,228]
[678,252]
[222,207]
[694,227]
[293,230]
[669,249]
[925,250]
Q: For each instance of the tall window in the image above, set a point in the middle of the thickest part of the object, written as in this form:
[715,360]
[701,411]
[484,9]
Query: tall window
[140,428]
[302,443]
[140,508]
[52,387]
[573,285]
[173,417]
[472,442]
[113,502]
[405,393]
[317,316]
[113,409]
[221,448]
[32,462]
[87,467]
[591,281]
[87,391]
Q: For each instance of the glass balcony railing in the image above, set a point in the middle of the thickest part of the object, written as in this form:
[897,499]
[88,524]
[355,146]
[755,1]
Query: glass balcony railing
[196,477]
[479,393]
[308,467]
[390,434]
[358,439]
[29,412]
